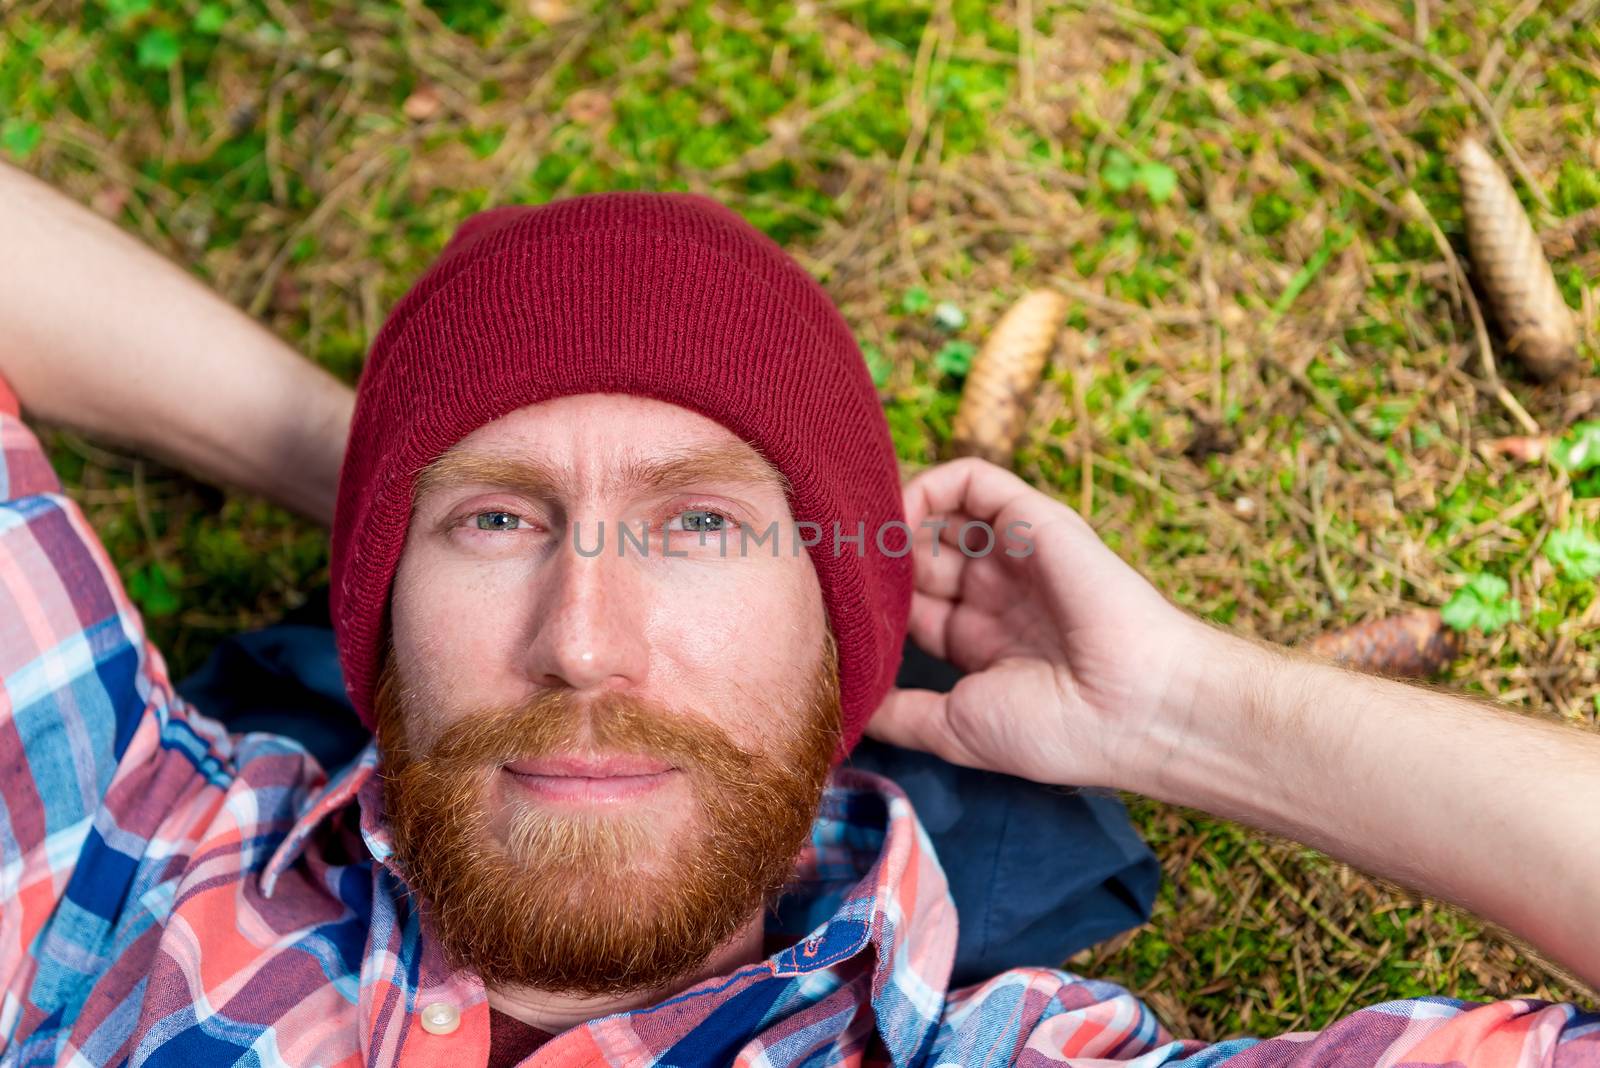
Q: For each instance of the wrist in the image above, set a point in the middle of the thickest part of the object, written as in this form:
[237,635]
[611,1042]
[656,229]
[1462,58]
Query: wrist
[1227,715]
[309,482]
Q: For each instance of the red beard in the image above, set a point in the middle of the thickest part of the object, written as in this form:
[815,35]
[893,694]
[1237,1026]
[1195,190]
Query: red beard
[592,903]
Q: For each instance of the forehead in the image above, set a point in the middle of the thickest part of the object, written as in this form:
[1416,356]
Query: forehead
[604,441]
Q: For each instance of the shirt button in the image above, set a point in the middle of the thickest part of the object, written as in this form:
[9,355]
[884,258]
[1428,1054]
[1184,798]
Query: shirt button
[440,1018]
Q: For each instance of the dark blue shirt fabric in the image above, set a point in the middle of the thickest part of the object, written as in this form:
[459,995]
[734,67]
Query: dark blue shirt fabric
[1037,872]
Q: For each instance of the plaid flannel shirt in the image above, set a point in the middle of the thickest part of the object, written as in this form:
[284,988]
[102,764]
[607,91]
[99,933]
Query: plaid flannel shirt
[176,894]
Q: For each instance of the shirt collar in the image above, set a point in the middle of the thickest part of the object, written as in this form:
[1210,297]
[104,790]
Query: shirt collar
[319,805]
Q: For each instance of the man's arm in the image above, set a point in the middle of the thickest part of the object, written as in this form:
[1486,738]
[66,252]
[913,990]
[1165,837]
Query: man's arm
[1083,673]
[100,333]
[1460,798]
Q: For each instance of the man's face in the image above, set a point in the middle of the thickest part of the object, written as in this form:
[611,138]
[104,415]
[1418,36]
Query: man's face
[599,765]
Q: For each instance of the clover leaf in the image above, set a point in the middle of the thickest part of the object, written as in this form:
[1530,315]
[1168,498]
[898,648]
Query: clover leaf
[1484,602]
[1575,552]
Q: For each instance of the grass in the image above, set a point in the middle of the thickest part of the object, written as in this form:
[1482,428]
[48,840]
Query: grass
[1269,397]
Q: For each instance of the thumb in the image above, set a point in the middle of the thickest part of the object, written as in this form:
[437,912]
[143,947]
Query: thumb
[918,719]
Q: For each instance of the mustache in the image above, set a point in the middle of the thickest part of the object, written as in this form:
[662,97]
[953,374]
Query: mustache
[558,722]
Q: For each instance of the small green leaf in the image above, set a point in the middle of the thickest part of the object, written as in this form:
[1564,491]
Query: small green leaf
[1159,180]
[1579,448]
[125,11]
[878,364]
[159,49]
[955,358]
[1575,553]
[19,137]
[210,19]
[151,589]
[1302,278]
[1118,172]
[1484,602]
[948,315]
[484,143]
[915,301]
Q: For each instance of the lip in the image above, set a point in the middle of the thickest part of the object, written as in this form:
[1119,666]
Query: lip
[614,766]
[602,780]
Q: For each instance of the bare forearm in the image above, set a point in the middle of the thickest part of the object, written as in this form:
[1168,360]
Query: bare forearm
[102,334]
[1466,801]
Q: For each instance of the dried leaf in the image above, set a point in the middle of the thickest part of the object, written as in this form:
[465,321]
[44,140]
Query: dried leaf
[1210,439]
[422,104]
[550,11]
[586,107]
[287,296]
[1527,450]
[994,403]
[1413,645]
[109,200]
[1538,325]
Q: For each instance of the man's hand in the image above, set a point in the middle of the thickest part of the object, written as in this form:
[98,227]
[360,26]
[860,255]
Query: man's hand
[1080,672]
[1074,661]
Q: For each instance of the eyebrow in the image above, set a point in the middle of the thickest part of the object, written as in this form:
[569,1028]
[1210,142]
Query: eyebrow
[727,462]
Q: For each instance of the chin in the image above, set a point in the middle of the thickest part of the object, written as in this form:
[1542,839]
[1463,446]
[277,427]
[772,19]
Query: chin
[628,836]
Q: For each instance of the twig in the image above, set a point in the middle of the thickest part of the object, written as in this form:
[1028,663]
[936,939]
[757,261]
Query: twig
[178,108]
[1080,409]
[1319,526]
[1208,291]
[917,111]
[274,146]
[1300,985]
[142,508]
[1025,50]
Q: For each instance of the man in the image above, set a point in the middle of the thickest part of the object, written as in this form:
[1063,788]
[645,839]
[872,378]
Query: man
[601,821]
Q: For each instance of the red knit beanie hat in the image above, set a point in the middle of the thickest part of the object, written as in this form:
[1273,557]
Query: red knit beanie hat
[661,295]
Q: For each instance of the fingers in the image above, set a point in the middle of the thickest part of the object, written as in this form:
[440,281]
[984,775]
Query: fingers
[976,487]
[917,719]
[939,561]
[930,622]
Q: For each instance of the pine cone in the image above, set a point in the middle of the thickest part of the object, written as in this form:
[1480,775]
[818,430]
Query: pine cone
[994,402]
[1413,645]
[1522,290]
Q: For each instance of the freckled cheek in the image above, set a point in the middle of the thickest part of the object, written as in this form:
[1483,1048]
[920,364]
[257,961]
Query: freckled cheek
[460,625]
[754,623]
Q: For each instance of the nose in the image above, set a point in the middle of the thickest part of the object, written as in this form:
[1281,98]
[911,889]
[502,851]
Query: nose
[589,635]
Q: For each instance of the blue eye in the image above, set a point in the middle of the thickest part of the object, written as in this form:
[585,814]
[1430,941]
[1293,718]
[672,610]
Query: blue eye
[704,521]
[498,521]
